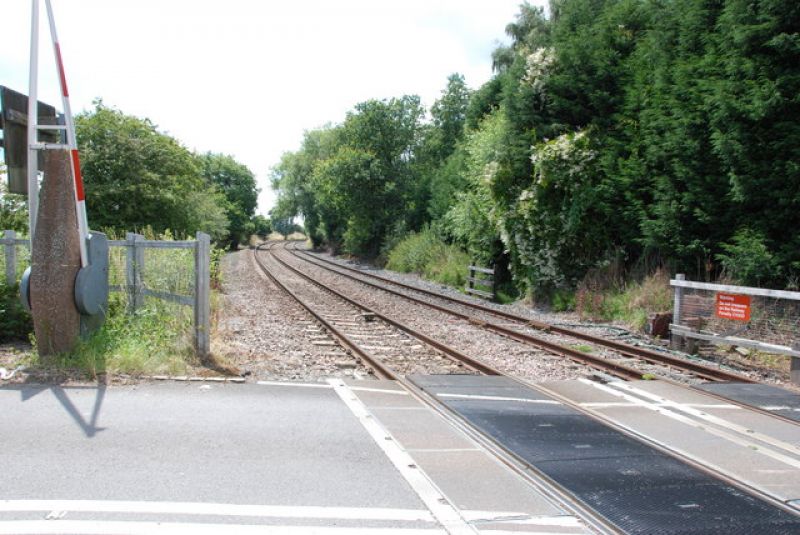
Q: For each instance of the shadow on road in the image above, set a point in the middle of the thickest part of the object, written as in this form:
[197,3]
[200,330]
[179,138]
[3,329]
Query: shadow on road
[89,428]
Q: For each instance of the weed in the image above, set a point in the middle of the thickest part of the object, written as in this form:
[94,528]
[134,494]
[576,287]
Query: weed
[153,340]
[583,348]
[15,322]
[426,254]
[631,305]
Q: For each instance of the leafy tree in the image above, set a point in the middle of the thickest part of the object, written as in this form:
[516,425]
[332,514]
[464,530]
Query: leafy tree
[261,226]
[13,208]
[238,185]
[136,176]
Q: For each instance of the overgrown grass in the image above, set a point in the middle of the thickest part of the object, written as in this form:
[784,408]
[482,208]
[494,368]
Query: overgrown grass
[15,322]
[631,304]
[156,339]
[425,254]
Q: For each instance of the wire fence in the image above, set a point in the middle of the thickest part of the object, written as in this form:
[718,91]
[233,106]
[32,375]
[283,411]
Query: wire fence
[756,318]
[169,270]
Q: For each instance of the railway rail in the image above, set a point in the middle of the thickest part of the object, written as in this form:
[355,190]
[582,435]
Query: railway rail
[449,305]
[354,325]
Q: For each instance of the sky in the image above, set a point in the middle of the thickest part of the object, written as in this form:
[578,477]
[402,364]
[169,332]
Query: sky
[247,78]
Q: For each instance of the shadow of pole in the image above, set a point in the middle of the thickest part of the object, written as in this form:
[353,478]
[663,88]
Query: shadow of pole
[89,428]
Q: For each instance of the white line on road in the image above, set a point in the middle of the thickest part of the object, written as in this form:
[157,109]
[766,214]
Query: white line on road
[447,515]
[91,527]
[289,383]
[498,398]
[721,422]
[218,509]
[755,447]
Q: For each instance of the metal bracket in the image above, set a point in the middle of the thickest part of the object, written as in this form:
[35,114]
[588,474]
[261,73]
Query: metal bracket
[91,285]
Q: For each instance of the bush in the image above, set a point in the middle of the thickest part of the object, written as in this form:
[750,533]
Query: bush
[748,260]
[426,254]
[631,305]
[15,322]
[154,340]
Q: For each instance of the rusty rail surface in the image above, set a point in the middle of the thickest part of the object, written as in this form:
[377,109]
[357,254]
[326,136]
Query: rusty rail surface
[373,361]
[626,350]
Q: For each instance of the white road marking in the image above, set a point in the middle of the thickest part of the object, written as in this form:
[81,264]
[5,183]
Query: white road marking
[498,398]
[528,532]
[379,390]
[219,509]
[522,518]
[444,512]
[289,383]
[58,509]
[91,527]
[612,404]
[758,448]
[780,408]
[688,409]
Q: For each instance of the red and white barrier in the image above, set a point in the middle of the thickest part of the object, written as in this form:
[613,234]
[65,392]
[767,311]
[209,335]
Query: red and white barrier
[69,127]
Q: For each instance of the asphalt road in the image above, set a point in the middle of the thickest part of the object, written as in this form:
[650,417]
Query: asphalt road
[187,457]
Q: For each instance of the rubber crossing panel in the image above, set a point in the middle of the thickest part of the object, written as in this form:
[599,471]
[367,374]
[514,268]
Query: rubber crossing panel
[634,486]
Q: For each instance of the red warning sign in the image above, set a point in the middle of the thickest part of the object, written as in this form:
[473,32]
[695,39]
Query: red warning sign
[733,307]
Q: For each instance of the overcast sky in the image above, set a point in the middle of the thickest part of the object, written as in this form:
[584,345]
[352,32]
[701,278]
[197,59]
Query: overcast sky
[246,78]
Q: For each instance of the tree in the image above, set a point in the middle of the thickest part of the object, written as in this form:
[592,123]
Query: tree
[262,226]
[136,176]
[238,184]
[13,208]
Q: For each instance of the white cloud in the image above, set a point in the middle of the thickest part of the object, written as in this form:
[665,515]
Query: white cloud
[247,78]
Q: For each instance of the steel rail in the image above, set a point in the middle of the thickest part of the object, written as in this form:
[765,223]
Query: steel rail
[452,354]
[529,473]
[343,339]
[623,349]
[613,368]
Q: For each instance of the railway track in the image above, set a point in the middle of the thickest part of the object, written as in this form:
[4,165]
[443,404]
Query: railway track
[530,331]
[381,343]
[338,322]
[386,345]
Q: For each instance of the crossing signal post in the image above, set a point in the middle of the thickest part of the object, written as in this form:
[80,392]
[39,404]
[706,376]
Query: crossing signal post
[66,286]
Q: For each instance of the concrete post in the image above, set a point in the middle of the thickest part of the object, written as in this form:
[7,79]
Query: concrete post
[11,258]
[202,294]
[55,259]
[134,270]
[794,366]
[138,266]
[130,271]
[676,341]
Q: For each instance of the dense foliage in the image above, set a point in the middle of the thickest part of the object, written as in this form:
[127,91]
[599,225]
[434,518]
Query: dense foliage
[137,177]
[633,133]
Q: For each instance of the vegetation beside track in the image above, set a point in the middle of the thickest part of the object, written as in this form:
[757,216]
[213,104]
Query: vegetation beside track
[635,134]
[155,339]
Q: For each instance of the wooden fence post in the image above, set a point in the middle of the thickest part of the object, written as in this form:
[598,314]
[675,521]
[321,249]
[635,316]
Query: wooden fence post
[11,257]
[202,292]
[676,340]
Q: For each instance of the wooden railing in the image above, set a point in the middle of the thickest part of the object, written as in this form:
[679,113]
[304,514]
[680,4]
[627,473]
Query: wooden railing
[484,278]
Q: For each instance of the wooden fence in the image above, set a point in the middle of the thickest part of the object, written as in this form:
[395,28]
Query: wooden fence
[195,292]
[486,282]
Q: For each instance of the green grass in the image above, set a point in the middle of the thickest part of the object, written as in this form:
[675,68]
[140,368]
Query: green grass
[15,322]
[157,339]
[154,340]
[425,254]
[630,305]
[583,348]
